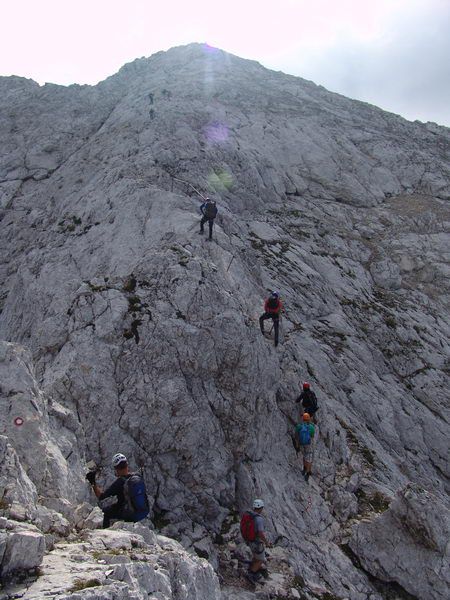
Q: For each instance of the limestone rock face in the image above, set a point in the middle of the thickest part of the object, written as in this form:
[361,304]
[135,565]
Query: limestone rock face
[33,425]
[22,548]
[409,544]
[124,330]
[15,485]
[123,565]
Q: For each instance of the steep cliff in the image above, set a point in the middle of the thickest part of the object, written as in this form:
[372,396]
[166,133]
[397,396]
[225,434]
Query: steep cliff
[124,330]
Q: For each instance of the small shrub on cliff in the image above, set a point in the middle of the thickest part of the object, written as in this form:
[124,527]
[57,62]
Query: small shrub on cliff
[82,584]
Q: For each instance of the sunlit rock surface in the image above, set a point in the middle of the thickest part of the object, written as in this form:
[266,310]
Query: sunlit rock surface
[124,330]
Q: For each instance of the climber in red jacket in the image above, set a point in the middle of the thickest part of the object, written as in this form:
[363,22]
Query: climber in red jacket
[272,310]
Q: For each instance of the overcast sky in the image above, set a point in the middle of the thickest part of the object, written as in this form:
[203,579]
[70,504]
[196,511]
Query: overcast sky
[392,53]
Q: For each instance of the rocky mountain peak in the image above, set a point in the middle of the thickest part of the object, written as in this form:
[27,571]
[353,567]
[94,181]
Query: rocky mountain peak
[124,330]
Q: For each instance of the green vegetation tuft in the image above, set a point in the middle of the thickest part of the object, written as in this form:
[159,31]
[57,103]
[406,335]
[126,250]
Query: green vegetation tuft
[134,304]
[130,284]
[82,584]
[379,502]
[390,321]
[4,504]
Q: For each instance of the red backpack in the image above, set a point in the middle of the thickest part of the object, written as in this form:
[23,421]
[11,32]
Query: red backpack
[248,529]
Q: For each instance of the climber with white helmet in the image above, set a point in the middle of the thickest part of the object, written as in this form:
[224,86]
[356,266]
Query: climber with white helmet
[129,489]
[252,529]
[272,310]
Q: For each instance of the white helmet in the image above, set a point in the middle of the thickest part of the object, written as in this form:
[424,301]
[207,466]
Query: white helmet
[258,503]
[117,459]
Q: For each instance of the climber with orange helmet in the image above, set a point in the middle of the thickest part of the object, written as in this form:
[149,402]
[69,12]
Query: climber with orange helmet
[304,436]
[309,400]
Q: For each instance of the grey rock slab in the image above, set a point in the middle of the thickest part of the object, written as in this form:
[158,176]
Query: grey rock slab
[16,488]
[24,550]
[131,573]
[408,544]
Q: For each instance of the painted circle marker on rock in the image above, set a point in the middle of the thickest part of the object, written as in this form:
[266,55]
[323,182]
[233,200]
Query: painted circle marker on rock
[18,421]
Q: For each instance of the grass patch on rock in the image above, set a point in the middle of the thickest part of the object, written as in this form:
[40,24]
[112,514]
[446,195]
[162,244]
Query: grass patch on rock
[82,584]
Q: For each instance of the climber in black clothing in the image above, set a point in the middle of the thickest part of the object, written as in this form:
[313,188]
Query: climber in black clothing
[209,212]
[116,510]
[308,400]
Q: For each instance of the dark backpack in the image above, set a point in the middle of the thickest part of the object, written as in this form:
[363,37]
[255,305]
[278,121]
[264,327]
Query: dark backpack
[210,210]
[304,435]
[310,402]
[135,494]
[248,528]
[273,303]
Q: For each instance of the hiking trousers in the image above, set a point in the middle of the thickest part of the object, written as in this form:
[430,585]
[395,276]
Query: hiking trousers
[276,323]
[114,512]
[210,225]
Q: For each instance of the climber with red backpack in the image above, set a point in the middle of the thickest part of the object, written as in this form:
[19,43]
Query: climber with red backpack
[252,530]
[272,310]
[209,213]
[304,436]
[129,489]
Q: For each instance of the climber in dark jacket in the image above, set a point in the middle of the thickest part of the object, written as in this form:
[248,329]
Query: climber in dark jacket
[209,212]
[309,400]
[121,509]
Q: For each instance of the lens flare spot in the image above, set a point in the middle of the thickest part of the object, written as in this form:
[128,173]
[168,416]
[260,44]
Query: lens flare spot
[220,180]
[216,133]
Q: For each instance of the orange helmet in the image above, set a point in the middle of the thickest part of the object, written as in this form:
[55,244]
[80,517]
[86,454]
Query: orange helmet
[306,417]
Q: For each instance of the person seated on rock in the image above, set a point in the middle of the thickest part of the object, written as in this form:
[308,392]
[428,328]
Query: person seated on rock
[252,529]
[129,490]
[309,401]
[304,436]
[272,310]
[209,212]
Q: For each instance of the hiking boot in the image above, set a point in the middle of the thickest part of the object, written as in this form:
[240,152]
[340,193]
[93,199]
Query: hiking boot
[252,577]
[263,572]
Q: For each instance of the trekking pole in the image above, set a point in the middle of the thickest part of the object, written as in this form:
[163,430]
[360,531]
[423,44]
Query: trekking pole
[232,258]
[187,183]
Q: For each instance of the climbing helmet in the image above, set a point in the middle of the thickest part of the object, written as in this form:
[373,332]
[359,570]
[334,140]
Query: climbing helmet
[117,459]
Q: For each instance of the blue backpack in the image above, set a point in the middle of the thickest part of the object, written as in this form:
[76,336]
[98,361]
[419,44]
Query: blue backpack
[136,501]
[304,435]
